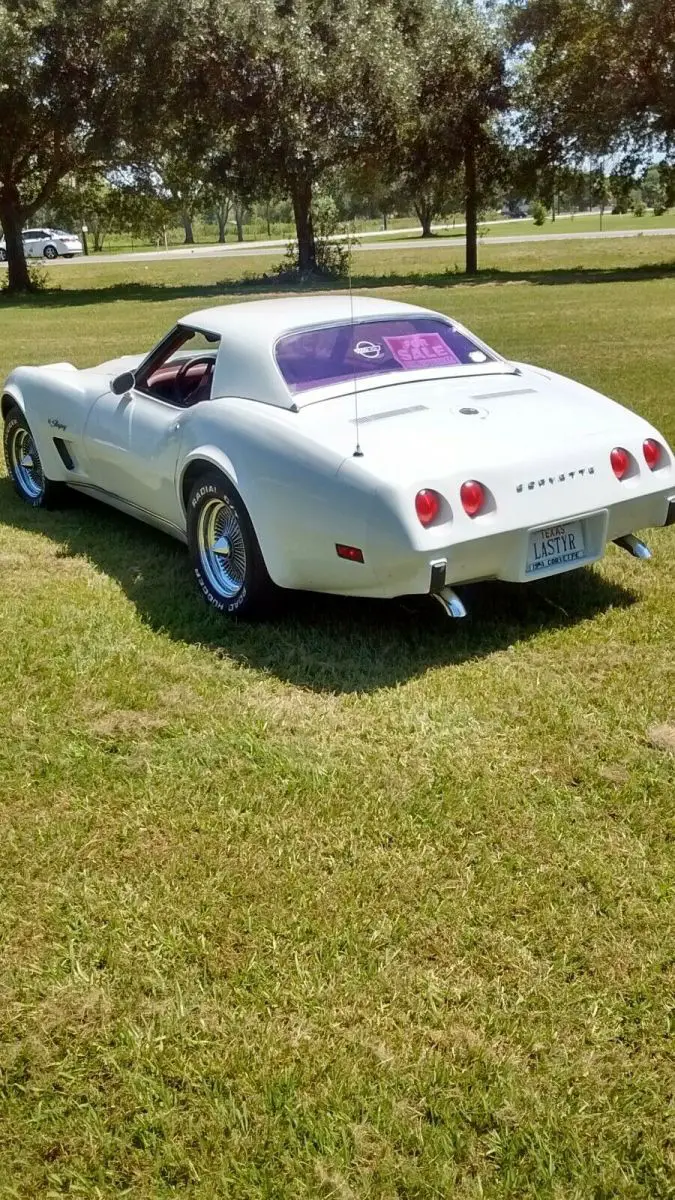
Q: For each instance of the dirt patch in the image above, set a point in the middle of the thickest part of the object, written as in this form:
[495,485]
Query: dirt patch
[123,722]
[662,737]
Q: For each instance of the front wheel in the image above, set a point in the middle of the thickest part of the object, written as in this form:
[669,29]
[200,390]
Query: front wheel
[3,254]
[23,463]
[224,550]
[50,252]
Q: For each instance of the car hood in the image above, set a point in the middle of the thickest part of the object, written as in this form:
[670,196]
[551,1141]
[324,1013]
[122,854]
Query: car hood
[472,422]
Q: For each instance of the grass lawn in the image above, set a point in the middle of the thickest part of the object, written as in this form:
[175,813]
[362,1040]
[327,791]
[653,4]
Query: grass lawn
[361,903]
[579,223]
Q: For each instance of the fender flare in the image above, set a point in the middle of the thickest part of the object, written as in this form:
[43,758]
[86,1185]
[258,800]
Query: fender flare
[200,459]
[11,392]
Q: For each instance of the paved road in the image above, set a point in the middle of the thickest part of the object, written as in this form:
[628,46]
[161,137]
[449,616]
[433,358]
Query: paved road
[250,249]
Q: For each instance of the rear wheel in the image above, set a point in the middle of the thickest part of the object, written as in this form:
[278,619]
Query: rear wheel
[23,463]
[224,549]
[3,254]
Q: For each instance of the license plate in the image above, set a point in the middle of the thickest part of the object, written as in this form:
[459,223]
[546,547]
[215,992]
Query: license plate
[555,546]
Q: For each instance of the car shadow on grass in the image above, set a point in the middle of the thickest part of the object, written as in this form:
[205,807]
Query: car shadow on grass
[320,642]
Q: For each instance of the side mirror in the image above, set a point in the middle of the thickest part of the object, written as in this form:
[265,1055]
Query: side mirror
[123,383]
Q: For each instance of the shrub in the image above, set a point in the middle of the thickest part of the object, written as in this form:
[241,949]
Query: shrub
[638,208]
[39,276]
[333,244]
[538,213]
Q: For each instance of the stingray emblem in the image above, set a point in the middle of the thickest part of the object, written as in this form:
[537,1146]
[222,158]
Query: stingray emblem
[368,349]
[561,477]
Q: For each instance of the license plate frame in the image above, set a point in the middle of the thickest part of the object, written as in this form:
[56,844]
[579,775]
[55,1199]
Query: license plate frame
[560,546]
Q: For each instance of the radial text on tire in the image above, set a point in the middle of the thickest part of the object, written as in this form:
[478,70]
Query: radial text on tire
[224,550]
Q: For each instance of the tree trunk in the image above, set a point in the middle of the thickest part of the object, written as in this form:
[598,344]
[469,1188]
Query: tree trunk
[268,219]
[301,196]
[239,221]
[186,218]
[222,216]
[424,215]
[17,267]
[471,207]
[384,221]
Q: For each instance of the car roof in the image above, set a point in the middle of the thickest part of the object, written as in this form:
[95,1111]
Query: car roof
[246,365]
[268,319]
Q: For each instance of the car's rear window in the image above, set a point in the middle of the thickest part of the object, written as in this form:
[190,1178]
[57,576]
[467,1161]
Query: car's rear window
[318,357]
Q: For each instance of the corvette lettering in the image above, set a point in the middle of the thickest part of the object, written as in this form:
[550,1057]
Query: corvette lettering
[562,477]
[55,424]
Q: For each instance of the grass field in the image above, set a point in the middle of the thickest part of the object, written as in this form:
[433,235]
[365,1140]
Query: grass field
[579,223]
[360,903]
[492,225]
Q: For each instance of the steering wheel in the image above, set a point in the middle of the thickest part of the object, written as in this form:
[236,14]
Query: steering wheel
[181,373]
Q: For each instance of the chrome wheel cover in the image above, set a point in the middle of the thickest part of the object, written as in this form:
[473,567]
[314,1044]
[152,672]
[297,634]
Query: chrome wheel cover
[222,548]
[25,464]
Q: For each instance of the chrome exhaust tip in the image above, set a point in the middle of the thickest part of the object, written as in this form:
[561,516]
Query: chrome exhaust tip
[450,602]
[634,546]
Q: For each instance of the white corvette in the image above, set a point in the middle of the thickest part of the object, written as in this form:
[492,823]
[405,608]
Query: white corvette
[358,447]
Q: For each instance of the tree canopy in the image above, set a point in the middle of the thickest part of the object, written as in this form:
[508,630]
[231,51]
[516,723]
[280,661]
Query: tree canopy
[220,103]
[80,83]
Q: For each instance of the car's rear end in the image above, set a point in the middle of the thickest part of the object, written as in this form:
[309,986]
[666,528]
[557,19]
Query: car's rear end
[515,476]
[67,244]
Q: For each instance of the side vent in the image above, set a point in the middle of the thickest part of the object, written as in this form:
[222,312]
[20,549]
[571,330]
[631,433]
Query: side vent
[64,454]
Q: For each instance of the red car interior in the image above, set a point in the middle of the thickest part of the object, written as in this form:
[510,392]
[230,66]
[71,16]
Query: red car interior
[195,384]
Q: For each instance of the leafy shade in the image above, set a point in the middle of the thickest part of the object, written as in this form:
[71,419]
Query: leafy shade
[595,75]
[321,83]
[79,85]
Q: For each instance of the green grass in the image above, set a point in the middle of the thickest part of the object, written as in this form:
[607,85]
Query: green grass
[579,223]
[492,226]
[361,902]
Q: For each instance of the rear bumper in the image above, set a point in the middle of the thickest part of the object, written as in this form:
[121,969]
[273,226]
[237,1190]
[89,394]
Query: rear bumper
[503,555]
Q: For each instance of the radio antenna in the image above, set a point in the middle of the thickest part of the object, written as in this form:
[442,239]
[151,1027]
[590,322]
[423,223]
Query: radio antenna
[358,452]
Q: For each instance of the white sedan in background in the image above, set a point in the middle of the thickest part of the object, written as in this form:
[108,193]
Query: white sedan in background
[46,243]
[364,448]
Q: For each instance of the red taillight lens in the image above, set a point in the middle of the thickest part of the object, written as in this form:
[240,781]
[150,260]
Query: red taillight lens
[472,495]
[620,460]
[427,506]
[351,553]
[652,453]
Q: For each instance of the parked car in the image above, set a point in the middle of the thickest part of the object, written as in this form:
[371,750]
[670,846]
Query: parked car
[360,447]
[46,243]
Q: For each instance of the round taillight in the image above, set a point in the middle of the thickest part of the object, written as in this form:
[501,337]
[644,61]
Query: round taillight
[427,506]
[652,453]
[472,495]
[620,460]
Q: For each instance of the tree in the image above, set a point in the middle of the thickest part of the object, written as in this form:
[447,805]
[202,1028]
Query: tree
[79,82]
[457,68]
[317,84]
[178,178]
[89,201]
[596,76]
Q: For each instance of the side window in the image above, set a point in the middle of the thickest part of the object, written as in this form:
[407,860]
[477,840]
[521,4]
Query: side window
[180,370]
[29,235]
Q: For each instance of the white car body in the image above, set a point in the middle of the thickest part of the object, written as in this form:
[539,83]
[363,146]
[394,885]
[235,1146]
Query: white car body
[42,242]
[538,443]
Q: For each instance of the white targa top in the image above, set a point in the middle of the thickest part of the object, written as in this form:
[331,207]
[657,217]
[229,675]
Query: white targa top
[266,320]
[246,365]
